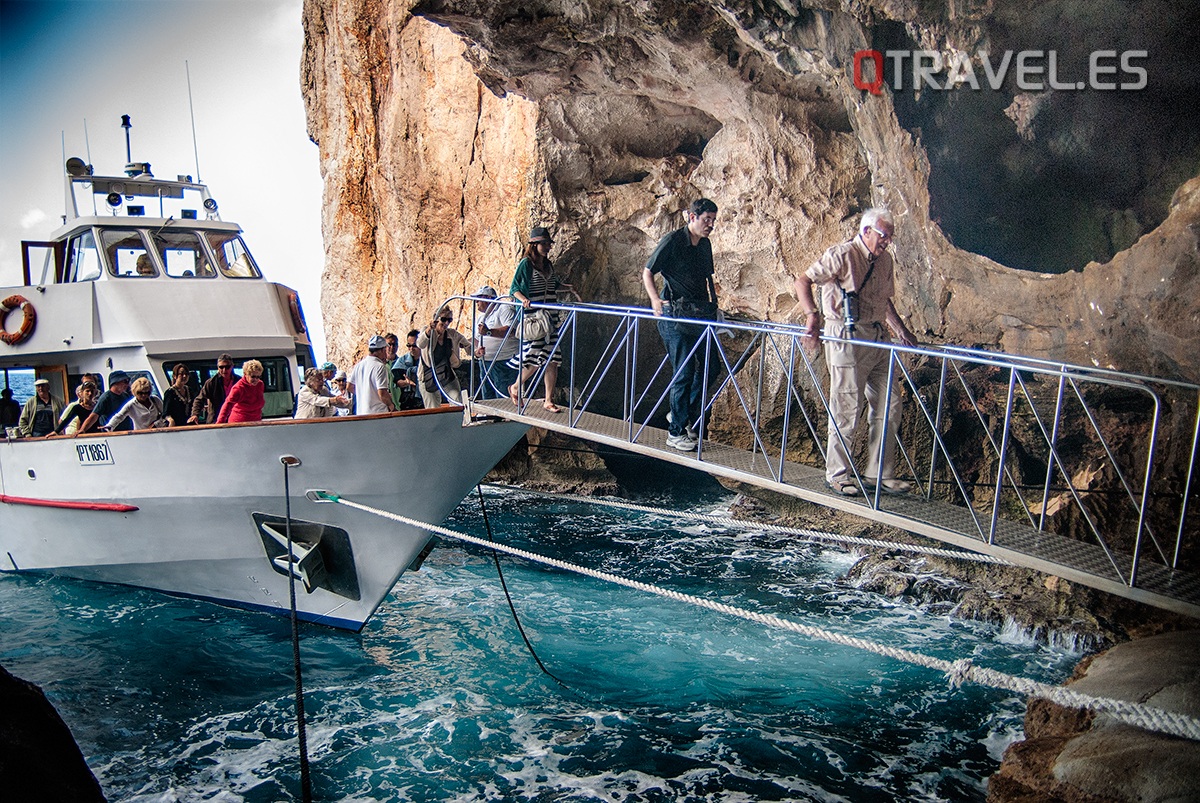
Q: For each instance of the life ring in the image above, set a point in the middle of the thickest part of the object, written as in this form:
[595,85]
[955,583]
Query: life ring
[8,305]
[297,315]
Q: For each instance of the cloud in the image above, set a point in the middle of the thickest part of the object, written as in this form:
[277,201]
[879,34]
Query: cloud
[32,219]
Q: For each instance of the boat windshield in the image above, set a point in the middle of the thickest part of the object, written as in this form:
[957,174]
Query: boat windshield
[182,254]
[233,259]
[127,253]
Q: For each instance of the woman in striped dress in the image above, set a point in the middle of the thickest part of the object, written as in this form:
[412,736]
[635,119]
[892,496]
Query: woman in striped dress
[535,282]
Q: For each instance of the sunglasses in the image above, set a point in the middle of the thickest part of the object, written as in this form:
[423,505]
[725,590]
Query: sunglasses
[446,320]
[224,367]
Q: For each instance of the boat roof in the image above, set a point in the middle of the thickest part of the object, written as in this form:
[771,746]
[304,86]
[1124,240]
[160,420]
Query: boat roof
[134,199]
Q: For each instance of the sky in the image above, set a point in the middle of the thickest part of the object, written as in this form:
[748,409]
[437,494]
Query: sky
[64,65]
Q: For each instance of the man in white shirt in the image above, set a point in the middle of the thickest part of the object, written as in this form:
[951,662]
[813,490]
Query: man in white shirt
[493,345]
[370,381]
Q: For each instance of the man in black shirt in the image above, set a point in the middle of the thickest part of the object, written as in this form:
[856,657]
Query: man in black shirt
[684,258]
[109,403]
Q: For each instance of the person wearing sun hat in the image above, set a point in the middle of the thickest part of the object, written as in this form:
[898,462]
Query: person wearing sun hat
[535,282]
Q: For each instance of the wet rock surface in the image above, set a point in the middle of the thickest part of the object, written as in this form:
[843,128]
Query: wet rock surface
[1077,757]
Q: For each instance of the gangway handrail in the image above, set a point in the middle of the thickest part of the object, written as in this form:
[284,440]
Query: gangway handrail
[609,376]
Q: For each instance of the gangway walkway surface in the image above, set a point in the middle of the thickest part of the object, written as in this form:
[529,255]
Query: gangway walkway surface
[752,365]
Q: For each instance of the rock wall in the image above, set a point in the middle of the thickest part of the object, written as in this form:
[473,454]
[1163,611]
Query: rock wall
[447,129]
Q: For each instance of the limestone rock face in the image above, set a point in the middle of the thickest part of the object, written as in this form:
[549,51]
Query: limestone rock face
[447,129]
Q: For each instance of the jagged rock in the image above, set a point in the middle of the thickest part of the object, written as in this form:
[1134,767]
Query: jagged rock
[39,759]
[447,129]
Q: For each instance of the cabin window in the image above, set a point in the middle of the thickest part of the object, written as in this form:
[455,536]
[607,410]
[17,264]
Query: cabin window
[233,260]
[277,393]
[127,253]
[83,258]
[183,255]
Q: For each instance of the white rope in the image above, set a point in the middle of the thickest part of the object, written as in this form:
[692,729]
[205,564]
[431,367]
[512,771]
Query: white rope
[957,672]
[810,535]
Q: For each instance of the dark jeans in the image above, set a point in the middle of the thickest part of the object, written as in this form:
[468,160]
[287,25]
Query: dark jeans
[492,379]
[687,389]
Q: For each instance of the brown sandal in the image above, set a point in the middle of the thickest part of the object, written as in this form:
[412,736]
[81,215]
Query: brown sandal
[551,406]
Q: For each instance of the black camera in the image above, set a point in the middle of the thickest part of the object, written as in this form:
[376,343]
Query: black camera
[850,310]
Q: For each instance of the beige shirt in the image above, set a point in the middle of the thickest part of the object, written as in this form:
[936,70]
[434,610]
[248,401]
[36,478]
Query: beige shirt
[845,267]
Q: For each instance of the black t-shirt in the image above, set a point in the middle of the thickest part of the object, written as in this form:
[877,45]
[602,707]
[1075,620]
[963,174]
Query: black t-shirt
[685,267]
[108,406]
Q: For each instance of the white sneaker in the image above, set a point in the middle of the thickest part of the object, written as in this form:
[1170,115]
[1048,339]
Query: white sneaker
[682,442]
[691,433]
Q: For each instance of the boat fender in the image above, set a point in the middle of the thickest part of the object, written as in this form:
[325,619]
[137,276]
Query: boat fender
[297,315]
[8,305]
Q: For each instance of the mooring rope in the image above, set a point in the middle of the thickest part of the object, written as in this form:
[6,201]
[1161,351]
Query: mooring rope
[799,532]
[957,672]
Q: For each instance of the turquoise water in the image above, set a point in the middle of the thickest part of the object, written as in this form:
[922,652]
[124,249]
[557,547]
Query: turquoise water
[438,700]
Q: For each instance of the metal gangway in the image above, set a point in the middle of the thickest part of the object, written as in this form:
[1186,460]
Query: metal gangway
[1079,472]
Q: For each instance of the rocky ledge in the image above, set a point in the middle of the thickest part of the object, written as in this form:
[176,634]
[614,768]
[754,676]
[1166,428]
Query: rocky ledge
[1074,756]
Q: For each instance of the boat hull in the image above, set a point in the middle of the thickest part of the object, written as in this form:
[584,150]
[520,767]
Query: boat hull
[200,511]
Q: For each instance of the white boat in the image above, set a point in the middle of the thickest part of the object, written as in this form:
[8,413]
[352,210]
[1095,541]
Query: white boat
[199,511]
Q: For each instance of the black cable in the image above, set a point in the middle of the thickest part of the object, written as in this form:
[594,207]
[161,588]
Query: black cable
[500,572]
[305,781]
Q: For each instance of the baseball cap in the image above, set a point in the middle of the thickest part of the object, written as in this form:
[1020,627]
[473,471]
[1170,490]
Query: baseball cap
[340,375]
[117,376]
[487,291]
[376,343]
[540,234]
[328,366]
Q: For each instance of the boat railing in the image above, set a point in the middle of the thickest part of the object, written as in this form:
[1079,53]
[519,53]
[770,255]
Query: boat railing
[1104,456]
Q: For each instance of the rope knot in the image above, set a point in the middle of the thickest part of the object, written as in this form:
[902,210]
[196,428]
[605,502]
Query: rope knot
[957,675]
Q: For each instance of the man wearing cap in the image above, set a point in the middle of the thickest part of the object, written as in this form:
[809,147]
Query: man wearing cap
[40,413]
[492,345]
[111,401]
[328,372]
[858,274]
[684,258]
[370,382]
[212,393]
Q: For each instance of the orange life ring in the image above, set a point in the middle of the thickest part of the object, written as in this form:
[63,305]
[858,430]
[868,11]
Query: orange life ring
[8,305]
[297,315]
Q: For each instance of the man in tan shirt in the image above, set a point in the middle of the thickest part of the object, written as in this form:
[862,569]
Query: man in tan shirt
[857,273]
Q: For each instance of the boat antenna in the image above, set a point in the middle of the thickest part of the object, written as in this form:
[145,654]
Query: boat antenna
[195,149]
[127,125]
[87,142]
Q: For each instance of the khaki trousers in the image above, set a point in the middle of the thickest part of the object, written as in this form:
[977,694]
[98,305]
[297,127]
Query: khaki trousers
[856,372]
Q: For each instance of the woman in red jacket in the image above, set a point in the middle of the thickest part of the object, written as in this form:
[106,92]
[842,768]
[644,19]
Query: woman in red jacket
[246,398]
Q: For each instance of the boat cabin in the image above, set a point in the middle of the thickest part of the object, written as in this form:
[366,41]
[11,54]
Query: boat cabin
[143,274]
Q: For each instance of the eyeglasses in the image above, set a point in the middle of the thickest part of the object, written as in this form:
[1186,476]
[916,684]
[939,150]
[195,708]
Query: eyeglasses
[884,237]
[224,367]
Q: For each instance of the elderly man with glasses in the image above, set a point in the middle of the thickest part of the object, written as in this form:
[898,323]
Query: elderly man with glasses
[856,281]
[213,392]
